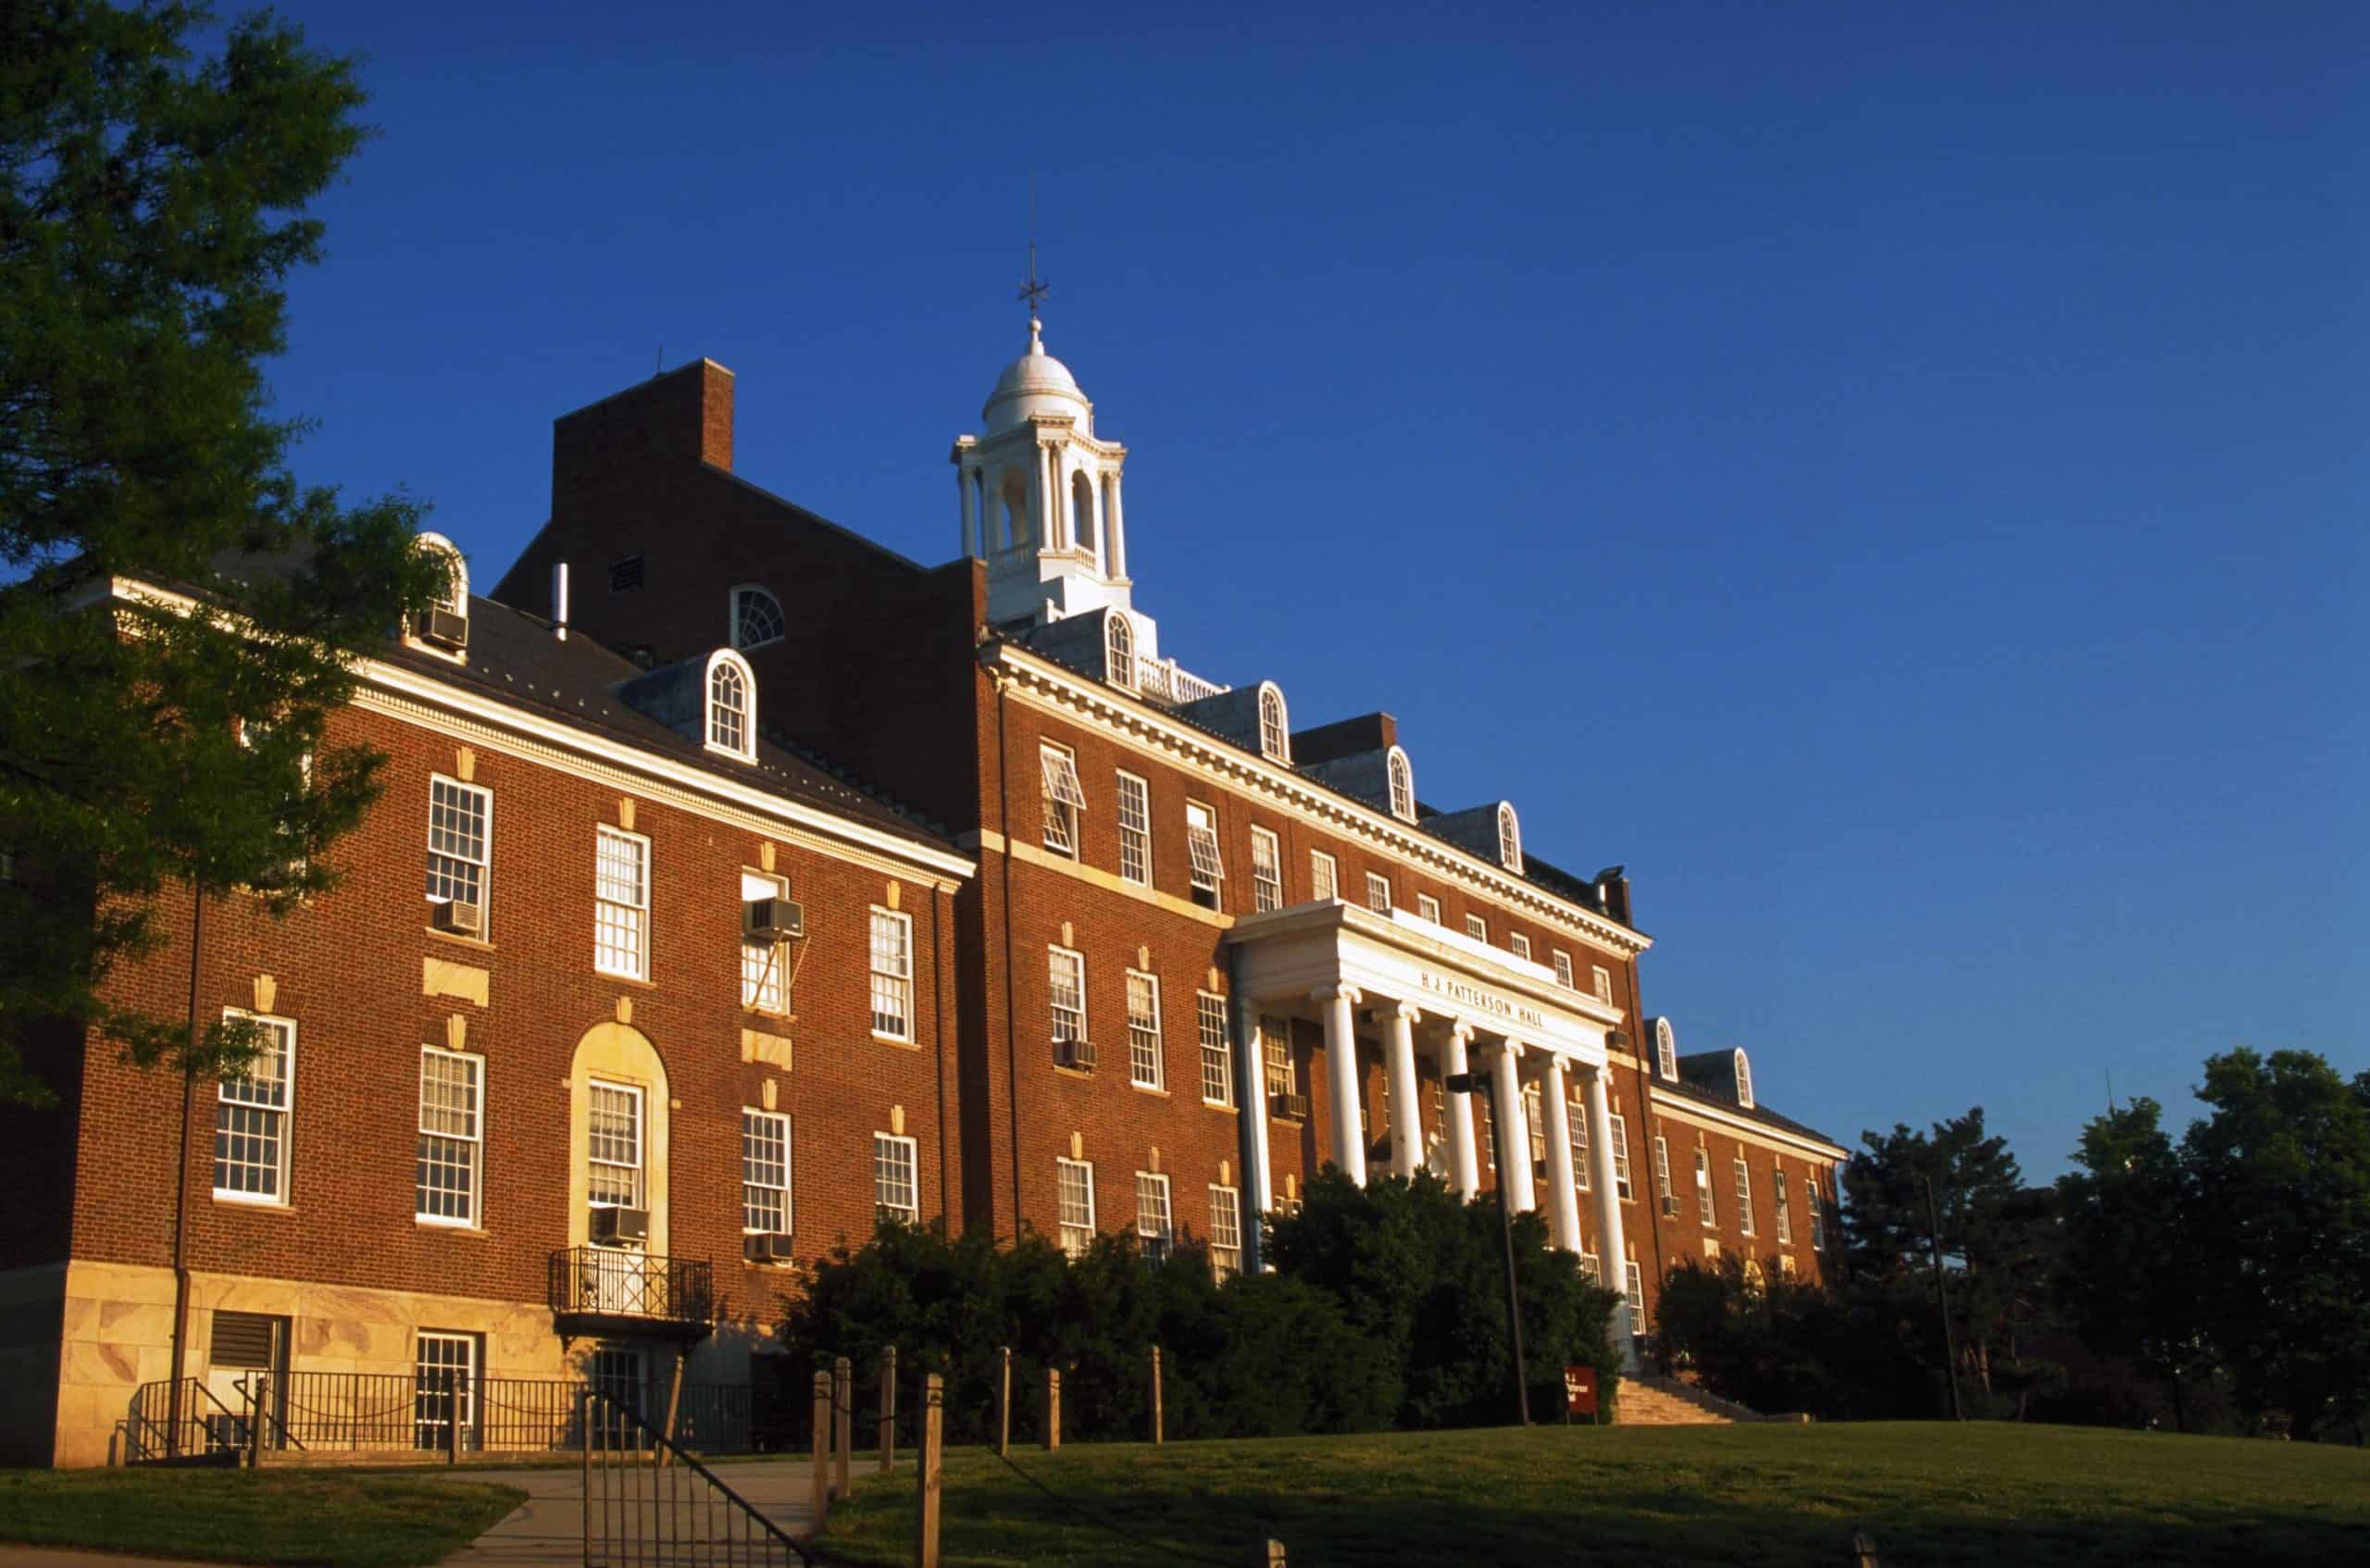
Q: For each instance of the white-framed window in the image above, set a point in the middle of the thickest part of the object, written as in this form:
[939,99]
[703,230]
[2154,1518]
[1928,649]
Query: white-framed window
[1066,981]
[1662,1167]
[1378,893]
[1324,877]
[1592,1268]
[1428,907]
[1154,1227]
[1218,1061]
[1703,1184]
[1620,1157]
[1509,839]
[895,1192]
[1201,848]
[460,828]
[613,1144]
[1402,786]
[1476,927]
[1064,799]
[1276,1053]
[445,1378]
[1226,1232]
[252,1105]
[1603,978]
[1533,1121]
[731,706]
[621,903]
[1118,649]
[1564,970]
[1745,1197]
[1665,1051]
[1135,830]
[451,1137]
[765,1173]
[1275,729]
[892,974]
[1266,870]
[1145,1064]
[1811,1211]
[1744,1081]
[1633,1292]
[1485,1127]
[765,967]
[1518,944]
[1784,1206]
[1073,1185]
[1575,1118]
[756,617]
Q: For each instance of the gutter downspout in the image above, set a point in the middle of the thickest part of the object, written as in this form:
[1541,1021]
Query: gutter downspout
[180,1186]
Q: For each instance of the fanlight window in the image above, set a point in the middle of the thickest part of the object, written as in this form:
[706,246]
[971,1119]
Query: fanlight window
[1402,787]
[1509,839]
[1119,649]
[732,707]
[757,618]
[1275,726]
[456,593]
[1744,1081]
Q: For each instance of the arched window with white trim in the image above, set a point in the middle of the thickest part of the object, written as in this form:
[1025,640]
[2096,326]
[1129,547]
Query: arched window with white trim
[757,618]
[443,626]
[1402,787]
[732,725]
[1275,723]
[1666,1050]
[1744,1080]
[1509,839]
[1118,649]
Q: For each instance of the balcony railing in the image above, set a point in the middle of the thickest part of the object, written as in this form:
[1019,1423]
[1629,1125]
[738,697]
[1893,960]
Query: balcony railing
[1161,680]
[595,1286]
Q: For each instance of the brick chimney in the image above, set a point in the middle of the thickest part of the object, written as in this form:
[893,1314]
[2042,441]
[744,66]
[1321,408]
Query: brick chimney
[631,440]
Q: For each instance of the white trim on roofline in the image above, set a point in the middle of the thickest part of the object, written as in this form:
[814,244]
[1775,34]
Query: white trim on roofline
[1712,1115]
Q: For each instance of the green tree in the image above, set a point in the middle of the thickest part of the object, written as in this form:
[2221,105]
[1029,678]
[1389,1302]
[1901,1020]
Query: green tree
[151,208]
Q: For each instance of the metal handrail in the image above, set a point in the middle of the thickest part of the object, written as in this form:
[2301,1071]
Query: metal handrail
[646,1511]
[615,1282]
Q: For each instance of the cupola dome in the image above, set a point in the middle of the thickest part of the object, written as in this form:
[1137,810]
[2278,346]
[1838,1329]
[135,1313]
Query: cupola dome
[1036,384]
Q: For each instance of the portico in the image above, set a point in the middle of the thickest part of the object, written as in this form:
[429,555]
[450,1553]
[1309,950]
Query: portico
[1437,1003]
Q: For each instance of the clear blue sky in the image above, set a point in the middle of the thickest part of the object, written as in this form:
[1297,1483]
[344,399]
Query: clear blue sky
[1893,476]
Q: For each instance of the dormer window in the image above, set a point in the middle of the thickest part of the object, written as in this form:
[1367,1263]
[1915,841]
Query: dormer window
[756,617]
[1402,787]
[732,725]
[1744,1081]
[1118,649]
[1509,840]
[1275,726]
[1665,1051]
[445,625]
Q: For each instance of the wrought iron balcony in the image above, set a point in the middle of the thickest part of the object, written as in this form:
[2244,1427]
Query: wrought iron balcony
[618,1289]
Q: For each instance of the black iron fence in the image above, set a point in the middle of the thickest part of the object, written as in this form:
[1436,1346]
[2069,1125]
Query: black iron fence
[648,1503]
[182,1420]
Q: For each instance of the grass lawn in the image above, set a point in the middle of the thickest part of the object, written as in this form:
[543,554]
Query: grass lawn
[1928,1493]
[309,1516]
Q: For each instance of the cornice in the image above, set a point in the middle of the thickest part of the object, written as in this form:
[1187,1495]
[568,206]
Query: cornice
[1712,1116]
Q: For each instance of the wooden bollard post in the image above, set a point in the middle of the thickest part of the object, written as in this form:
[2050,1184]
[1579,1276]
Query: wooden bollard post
[843,1415]
[1268,1554]
[454,1437]
[928,1471]
[887,1410]
[257,1395]
[822,1445]
[1156,1428]
[1863,1550]
[1053,1409]
[1003,1402]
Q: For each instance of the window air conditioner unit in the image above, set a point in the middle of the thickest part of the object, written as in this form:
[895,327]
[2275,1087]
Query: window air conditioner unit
[773,920]
[1670,1208]
[771,1247]
[462,919]
[1076,1054]
[621,1224]
[1289,1107]
[444,629]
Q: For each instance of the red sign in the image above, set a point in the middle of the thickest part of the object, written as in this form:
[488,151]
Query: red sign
[1579,1390]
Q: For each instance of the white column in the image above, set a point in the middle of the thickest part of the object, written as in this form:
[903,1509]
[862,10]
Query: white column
[1611,1248]
[1101,525]
[1050,526]
[1399,1021]
[1250,1094]
[1456,1115]
[1341,1078]
[1562,1198]
[1035,500]
[1118,542]
[967,502]
[1514,1161]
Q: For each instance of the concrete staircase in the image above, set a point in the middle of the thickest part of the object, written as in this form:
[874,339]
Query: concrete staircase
[1648,1400]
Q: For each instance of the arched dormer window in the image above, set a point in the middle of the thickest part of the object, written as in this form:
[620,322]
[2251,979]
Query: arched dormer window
[756,617]
[1744,1080]
[1275,723]
[1509,839]
[1402,787]
[731,726]
[1666,1050]
[443,626]
[1118,649]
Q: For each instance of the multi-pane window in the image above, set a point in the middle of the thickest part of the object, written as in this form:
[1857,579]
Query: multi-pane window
[1532,1123]
[460,819]
[1575,1117]
[1785,1209]
[1745,1197]
[1135,830]
[621,904]
[452,1136]
[252,1102]
[1218,1061]
[1226,1232]
[613,1144]
[1144,1065]
[1267,871]
[1634,1294]
[1429,907]
[1744,1081]
[1564,970]
[1818,1221]
[1486,1127]
[444,1389]
[729,720]
[1275,731]
[1509,840]
[756,617]
[1476,927]
[765,981]
[1621,1158]
[1202,849]
[1378,893]
[1153,1227]
[1592,1268]
[1118,649]
[892,974]
[1703,1184]
[1065,975]
[1665,1051]
[1662,1169]
[894,1192]
[1603,978]
[1064,799]
[1074,1183]
[1275,1050]
[1324,877]
[764,1172]
[1520,944]
[1402,786]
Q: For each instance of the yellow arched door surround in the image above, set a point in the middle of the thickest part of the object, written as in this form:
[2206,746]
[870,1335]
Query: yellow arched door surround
[618,1054]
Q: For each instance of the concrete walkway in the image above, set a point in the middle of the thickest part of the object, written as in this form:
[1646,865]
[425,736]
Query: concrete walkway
[547,1530]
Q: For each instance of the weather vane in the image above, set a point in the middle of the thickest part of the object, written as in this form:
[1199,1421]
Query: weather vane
[1034,290]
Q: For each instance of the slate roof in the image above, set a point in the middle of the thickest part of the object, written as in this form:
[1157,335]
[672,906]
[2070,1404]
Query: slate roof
[1759,1112]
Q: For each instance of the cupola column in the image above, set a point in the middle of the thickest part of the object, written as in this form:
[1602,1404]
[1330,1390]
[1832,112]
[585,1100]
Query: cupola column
[1116,543]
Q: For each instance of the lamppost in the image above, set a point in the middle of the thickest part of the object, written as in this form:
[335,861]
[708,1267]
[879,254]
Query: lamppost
[1943,1296]
[1471,1083]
